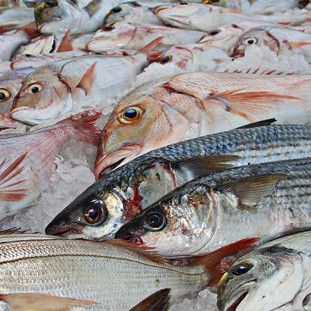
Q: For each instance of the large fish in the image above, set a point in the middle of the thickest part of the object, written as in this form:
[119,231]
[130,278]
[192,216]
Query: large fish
[119,196]
[57,89]
[45,273]
[274,276]
[207,17]
[189,105]
[212,211]
[10,83]
[27,160]
[135,36]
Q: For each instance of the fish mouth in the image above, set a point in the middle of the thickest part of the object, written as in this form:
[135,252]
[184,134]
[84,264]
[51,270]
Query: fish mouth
[237,302]
[18,109]
[129,237]
[62,231]
[106,163]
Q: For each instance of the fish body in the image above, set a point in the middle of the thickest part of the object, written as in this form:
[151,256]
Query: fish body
[17,3]
[212,211]
[273,276]
[135,36]
[27,160]
[207,17]
[12,18]
[125,192]
[184,106]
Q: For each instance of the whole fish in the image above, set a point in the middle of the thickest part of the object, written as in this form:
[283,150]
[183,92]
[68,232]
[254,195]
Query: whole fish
[273,276]
[58,88]
[207,17]
[281,40]
[45,273]
[135,36]
[10,83]
[126,191]
[27,160]
[189,105]
[212,211]
[259,6]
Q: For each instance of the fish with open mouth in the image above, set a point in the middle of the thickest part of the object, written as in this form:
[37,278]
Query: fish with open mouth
[57,89]
[212,211]
[49,273]
[122,194]
[273,276]
[189,105]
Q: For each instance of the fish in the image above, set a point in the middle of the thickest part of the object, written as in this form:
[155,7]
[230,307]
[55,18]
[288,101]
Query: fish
[123,193]
[10,84]
[281,40]
[47,273]
[204,17]
[13,18]
[188,105]
[57,89]
[18,3]
[259,6]
[211,211]
[27,160]
[136,35]
[273,276]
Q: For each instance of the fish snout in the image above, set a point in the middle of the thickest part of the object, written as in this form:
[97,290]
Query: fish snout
[62,228]
[123,234]
[238,52]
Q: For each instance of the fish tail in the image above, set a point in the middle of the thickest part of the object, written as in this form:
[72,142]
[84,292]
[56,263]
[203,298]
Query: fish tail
[213,262]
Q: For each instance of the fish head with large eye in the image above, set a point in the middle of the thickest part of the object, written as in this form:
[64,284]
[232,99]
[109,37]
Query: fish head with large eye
[96,217]
[5,95]
[116,14]
[243,44]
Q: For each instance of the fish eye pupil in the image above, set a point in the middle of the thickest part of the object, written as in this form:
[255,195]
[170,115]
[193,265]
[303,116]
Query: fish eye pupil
[214,32]
[165,59]
[242,269]
[130,113]
[250,41]
[94,213]
[108,28]
[183,3]
[34,89]
[51,3]
[2,96]
[116,9]
[155,221]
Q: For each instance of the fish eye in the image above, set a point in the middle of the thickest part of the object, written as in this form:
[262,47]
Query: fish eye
[130,115]
[107,28]
[241,269]
[51,3]
[183,3]
[34,88]
[250,41]
[4,95]
[214,32]
[95,213]
[116,9]
[155,221]
[165,59]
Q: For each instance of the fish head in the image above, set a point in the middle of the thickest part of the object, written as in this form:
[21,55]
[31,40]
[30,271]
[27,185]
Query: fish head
[120,12]
[42,97]
[256,36]
[115,36]
[261,280]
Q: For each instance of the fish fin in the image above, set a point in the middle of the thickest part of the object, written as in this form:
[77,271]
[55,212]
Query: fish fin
[65,45]
[249,104]
[213,261]
[88,79]
[203,165]
[261,71]
[251,190]
[297,45]
[159,301]
[42,302]
[93,7]
[258,124]
[147,49]
[31,30]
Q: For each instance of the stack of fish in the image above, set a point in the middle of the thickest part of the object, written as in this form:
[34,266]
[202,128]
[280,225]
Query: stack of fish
[202,160]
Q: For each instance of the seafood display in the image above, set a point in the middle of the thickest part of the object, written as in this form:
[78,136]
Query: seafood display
[153,149]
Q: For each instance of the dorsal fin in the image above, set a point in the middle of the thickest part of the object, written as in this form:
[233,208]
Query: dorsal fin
[88,79]
[65,45]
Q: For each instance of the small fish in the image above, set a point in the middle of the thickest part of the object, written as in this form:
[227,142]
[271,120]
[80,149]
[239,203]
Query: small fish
[27,160]
[184,106]
[115,199]
[48,273]
[281,40]
[207,17]
[135,36]
[58,88]
[10,83]
[217,209]
[273,276]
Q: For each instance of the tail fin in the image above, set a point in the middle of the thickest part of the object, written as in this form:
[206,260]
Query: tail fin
[212,261]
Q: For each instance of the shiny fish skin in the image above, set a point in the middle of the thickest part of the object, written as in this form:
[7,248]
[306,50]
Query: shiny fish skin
[127,190]
[275,276]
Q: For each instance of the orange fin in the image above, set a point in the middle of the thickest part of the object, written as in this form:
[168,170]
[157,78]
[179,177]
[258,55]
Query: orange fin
[147,50]
[88,79]
[31,30]
[212,261]
[159,301]
[65,45]
[42,302]
[296,45]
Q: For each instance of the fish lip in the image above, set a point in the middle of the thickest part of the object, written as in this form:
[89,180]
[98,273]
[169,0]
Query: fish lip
[62,231]
[18,109]
[102,163]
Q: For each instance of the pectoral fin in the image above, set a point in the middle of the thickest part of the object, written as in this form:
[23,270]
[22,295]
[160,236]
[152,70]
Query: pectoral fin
[42,302]
[159,301]
[88,79]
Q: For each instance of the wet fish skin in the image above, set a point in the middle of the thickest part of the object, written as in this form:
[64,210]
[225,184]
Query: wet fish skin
[189,105]
[279,266]
[217,209]
[126,191]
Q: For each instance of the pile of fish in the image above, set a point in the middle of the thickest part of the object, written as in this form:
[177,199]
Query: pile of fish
[160,148]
